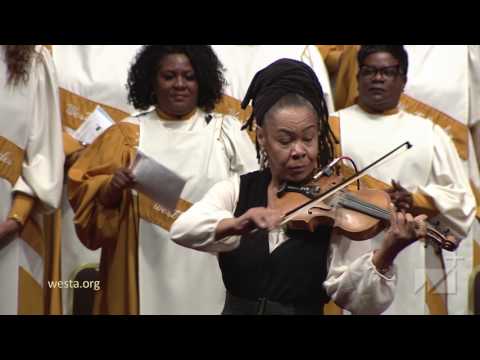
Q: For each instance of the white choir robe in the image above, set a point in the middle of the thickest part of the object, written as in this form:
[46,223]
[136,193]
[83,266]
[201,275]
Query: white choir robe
[96,72]
[31,143]
[174,280]
[432,167]
[447,77]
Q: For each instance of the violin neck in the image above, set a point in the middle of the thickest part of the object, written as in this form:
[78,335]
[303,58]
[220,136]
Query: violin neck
[351,202]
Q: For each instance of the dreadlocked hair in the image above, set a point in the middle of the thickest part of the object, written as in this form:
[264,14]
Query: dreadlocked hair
[18,59]
[287,83]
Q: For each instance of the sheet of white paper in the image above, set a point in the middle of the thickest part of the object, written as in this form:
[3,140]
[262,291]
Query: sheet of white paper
[93,126]
[157,182]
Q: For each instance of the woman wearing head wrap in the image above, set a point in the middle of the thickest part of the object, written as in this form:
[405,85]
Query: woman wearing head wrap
[274,271]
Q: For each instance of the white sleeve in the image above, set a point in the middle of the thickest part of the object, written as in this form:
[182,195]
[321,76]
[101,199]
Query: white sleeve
[196,227]
[313,57]
[474,83]
[353,282]
[448,186]
[42,169]
[239,147]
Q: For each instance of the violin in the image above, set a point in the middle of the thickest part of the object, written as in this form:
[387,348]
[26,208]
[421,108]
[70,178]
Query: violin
[358,214]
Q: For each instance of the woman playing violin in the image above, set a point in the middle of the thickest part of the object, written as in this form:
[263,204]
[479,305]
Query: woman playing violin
[271,270]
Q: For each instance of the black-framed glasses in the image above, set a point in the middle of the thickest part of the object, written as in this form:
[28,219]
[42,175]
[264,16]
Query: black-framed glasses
[387,72]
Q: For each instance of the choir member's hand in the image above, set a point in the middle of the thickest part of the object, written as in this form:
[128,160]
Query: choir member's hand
[122,179]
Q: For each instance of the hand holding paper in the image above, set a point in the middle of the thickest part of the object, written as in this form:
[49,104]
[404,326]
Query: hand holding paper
[122,179]
[156,181]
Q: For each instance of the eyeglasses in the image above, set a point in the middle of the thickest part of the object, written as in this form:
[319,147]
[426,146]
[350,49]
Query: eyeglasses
[387,72]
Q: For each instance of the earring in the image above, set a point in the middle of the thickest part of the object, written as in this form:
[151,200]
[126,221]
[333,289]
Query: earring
[263,159]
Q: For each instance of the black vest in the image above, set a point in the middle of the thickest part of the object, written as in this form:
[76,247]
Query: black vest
[293,274]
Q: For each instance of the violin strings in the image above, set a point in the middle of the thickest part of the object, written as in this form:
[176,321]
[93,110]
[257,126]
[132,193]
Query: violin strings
[372,209]
[368,208]
[365,209]
[375,211]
